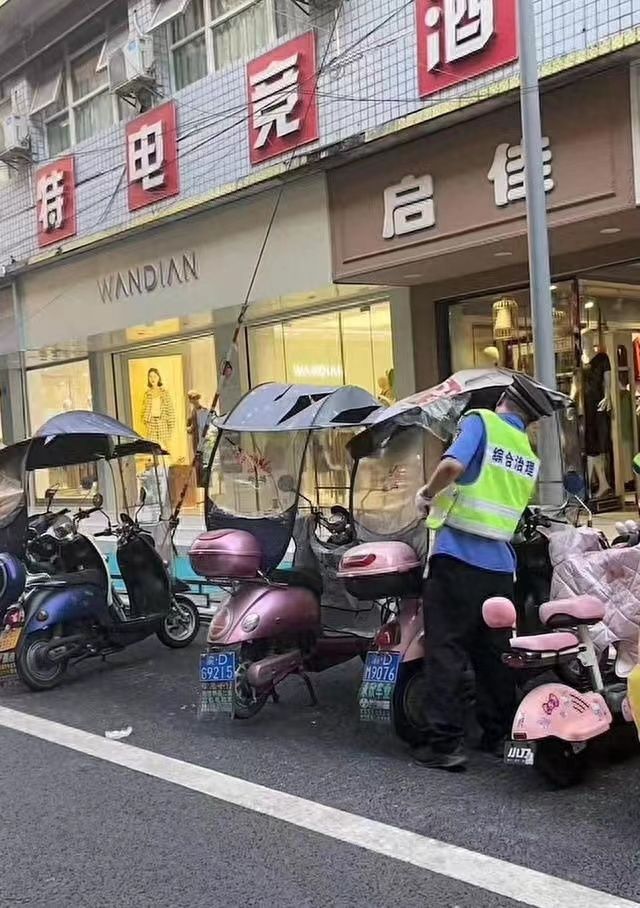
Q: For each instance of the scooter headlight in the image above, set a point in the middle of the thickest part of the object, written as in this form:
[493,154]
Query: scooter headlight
[250,623]
[219,624]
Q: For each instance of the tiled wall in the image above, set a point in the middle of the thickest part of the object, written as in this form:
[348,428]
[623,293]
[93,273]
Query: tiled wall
[369,80]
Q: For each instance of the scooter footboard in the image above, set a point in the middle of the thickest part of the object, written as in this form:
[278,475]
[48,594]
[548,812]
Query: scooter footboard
[559,711]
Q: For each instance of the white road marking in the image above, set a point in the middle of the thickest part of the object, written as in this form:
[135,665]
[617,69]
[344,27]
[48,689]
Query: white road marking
[491,874]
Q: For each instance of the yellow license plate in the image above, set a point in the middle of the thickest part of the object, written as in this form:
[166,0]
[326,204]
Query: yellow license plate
[9,639]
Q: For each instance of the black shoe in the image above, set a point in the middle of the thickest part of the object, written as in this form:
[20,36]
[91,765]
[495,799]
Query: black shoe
[452,761]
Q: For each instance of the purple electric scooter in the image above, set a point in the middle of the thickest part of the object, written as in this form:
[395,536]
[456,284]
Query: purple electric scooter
[278,519]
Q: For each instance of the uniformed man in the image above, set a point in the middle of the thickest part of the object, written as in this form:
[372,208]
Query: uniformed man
[474,501]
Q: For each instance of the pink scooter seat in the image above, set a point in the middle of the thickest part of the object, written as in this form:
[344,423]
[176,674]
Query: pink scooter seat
[546,643]
[578,610]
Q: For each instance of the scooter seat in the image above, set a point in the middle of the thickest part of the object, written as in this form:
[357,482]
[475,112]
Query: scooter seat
[308,580]
[578,610]
[77,578]
[546,643]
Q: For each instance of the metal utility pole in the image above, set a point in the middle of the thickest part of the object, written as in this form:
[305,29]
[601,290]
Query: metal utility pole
[539,270]
[538,241]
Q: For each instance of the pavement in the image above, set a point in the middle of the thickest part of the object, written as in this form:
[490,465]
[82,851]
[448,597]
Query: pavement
[83,827]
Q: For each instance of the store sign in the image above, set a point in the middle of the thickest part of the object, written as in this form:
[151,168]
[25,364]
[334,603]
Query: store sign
[408,207]
[56,201]
[508,173]
[152,157]
[283,106]
[143,279]
[461,39]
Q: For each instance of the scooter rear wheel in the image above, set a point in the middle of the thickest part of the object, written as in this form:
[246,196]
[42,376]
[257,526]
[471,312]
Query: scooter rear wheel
[35,669]
[180,628]
[558,763]
[409,697]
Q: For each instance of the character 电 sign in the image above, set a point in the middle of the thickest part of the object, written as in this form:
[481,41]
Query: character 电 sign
[152,157]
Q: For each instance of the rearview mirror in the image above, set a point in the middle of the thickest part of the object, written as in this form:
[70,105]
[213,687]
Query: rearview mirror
[287,483]
[97,500]
[142,497]
[49,495]
[574,484]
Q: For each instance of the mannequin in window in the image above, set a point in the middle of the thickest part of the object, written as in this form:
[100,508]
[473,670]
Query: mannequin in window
[596,379]
[158,414]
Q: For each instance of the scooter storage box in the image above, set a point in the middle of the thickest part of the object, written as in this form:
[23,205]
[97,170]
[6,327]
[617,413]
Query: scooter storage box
[381,570]
[233,554]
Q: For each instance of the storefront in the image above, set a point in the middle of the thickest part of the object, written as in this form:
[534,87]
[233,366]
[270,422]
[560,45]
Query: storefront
[139,328]
[445,216]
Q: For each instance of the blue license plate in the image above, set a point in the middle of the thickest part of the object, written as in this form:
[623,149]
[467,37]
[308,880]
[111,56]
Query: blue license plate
[217,683]
[217,668]
[378,684]
[382,668]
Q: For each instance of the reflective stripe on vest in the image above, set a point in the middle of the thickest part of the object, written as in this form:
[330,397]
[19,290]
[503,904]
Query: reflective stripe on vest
[492,505]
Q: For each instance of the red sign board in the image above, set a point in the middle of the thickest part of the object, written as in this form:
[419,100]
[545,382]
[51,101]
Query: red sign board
[152,156]
[283,106]
[56,201]
[461,39]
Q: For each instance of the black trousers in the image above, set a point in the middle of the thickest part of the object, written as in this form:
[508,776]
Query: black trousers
[453,595]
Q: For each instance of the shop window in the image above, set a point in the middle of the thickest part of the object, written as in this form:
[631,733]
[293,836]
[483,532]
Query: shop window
[350,346]
[165,393]
[209,35]
[52,390]
[497,330]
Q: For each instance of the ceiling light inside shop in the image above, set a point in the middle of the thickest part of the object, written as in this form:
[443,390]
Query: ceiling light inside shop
[589,304]
[503,254]
[609,231]
[553,288]
[412,277]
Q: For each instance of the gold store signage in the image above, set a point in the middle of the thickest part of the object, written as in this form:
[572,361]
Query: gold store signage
[143,279]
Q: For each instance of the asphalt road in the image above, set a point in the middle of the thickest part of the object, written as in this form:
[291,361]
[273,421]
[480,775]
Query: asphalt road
[77,830]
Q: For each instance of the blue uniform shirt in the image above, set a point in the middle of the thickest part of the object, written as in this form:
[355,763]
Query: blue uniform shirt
[490,554]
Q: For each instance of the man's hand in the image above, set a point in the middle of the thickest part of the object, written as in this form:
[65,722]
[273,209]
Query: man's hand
[423,503]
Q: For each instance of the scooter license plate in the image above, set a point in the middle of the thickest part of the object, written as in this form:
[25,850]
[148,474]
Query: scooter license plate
[9,639]
[217,683]
[378,684]
[519,753]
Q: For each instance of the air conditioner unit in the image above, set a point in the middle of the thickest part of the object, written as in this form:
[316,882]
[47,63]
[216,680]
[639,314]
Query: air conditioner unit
[15,142]
[130,67]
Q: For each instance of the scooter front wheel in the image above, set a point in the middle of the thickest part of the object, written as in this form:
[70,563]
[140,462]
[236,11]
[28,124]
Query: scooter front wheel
[558,763]
[34,667]
[181,625]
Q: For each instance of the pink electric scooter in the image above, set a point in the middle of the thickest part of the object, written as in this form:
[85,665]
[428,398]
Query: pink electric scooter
[555,722]
[279,448]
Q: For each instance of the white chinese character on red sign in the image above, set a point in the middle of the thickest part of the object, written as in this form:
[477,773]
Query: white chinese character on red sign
[50,194]
[466,25]
[146,156]
[508,172]
[282,100]
[274,97]
[459,40]
[408,206]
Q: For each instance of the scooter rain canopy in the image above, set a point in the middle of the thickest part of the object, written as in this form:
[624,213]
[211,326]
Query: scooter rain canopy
[85,422]
[438,409]
[288,408]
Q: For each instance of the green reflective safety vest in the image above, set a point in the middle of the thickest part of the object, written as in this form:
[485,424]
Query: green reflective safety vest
[492,505]
[636,464]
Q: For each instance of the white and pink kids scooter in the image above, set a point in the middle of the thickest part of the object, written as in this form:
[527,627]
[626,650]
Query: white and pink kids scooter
[555,722]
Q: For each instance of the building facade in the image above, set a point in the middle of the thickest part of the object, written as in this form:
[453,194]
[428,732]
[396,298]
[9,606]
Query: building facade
[146,148]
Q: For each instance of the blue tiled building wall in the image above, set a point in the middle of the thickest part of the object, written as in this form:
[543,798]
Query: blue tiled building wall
[370,79]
